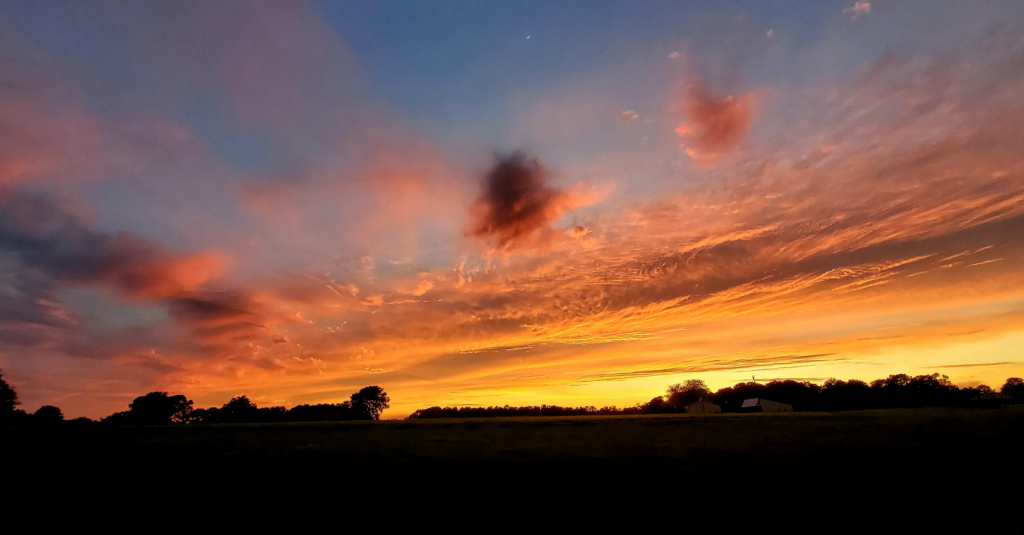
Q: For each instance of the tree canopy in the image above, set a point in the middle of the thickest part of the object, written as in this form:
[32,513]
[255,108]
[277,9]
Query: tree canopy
[682,394]
[162,408]
[8,397]
[895,391]
[370,402]
[159,408]
[48,415]
[1014,386]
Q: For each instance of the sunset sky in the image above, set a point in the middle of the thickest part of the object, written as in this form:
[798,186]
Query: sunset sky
[480,203]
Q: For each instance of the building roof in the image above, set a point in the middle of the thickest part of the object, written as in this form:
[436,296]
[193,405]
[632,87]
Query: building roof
[759,402]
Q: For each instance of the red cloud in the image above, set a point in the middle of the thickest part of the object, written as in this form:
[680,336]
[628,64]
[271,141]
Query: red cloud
[715,125]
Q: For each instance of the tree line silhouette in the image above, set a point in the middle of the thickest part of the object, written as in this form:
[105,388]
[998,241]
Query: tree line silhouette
[160,408]
[894,392]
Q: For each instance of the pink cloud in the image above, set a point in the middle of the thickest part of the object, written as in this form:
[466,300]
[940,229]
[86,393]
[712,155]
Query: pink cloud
[714,125]
[859,8]
[58,140]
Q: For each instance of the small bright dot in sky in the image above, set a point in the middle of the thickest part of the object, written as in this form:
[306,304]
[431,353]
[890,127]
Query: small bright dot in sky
[527,36]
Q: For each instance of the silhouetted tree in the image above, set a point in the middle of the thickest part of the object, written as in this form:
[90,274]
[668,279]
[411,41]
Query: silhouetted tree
[655,406]
[367,404]
[48,415]
[731,398]
[159,408]
[370,402]
[682,394]
[849,395]
[118,418]
[1014,386]
[803,394]
[8,398]
[199,416]
[899,391]
[323,412]
[238,410]
[895,391]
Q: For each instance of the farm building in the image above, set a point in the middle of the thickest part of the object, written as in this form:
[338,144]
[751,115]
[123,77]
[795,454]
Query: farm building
[702,407]
[764,405]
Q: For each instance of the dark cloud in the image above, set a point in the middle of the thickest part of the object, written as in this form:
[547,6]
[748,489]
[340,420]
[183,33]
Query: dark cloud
[516,203]
[219,319]
[45,246]
[715,124]
[212,306]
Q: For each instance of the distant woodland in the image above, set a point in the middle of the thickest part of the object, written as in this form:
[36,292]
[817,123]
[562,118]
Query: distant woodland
[895,391]
[156,408]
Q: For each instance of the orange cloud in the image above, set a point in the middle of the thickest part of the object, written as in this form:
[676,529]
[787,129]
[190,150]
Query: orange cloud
[169,275]
[422,288]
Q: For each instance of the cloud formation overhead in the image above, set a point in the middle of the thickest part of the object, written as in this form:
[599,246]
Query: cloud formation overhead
[292,201]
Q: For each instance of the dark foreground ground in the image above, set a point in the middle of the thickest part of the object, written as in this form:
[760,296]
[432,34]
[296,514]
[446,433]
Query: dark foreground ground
[894,458]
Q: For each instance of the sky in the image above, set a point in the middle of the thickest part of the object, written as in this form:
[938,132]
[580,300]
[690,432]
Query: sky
[490,203]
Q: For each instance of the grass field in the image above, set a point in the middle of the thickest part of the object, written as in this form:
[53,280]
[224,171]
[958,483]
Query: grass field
[889,458]
[673,442]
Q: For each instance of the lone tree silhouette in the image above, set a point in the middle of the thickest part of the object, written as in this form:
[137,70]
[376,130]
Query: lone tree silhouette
[370,402]
[159,408]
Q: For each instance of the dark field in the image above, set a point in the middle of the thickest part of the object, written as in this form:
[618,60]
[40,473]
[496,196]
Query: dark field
[896,457]
[945,440]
